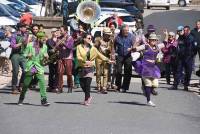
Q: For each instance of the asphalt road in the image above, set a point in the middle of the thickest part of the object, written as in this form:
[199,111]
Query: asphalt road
[176,112]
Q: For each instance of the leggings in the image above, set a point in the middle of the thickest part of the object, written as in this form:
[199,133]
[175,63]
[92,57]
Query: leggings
[85,84]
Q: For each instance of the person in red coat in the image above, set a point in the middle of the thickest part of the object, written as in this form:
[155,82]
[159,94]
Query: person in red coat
[26,18]
[115,19]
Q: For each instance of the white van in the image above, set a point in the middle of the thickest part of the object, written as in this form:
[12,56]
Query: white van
[181,3]
[158,3]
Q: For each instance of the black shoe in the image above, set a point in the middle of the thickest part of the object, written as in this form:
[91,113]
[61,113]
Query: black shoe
[69,90]
[20,102]
[154,92]
[168,82]
[186,88]
[44,102]
[123,90]
[173,88]
[104,92]
[76,86]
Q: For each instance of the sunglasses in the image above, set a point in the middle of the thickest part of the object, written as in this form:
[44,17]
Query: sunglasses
[171,36]
[153,40]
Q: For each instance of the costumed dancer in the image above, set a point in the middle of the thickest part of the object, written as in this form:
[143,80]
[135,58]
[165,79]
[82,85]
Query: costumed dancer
[86,54]
[36,54]
[147,67]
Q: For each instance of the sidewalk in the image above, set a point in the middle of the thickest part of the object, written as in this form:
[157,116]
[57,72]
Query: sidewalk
[5,80]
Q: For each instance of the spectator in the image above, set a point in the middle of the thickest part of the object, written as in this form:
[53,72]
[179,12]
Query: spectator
[124,43]
[26,18]
[116,20]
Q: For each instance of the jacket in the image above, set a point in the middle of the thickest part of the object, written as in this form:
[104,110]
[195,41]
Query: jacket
[36,59]
[82,55]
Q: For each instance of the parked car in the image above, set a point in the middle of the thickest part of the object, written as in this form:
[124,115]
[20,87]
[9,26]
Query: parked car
[105,16]
[20,6]
[125,4]
[158,3]
[36,7]
[181,3]
[12,11]
[6,17]
[129,5]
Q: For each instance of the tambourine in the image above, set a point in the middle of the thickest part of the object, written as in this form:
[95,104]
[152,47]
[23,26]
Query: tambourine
[135,56]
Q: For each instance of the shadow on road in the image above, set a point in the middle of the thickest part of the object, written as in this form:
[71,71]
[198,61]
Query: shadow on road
[129,103]
[28,104]
[136,93]
[70,103]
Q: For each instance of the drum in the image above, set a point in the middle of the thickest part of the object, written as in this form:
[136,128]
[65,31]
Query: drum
[7,50]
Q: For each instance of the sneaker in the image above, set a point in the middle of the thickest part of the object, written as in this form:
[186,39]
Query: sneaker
[104,90]
[85,103]
[123,91]
[20,102]
[114,87]
[150,103]
[44,102]
[15,91]
[89,100]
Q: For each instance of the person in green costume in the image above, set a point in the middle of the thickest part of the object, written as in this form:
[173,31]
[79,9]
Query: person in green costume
[36,54]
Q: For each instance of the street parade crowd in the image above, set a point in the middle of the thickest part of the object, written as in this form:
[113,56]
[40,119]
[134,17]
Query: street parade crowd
[78,55]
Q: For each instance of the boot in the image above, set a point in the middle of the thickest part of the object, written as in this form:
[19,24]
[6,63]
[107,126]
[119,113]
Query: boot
[44,102]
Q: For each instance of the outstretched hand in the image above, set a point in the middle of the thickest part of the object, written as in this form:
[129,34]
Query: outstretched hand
[111,62]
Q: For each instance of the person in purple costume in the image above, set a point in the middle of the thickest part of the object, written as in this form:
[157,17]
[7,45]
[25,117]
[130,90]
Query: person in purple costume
[147,67]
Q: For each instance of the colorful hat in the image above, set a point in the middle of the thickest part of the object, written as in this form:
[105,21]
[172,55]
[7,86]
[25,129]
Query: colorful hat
[107,31]
[151,28]
[153,36]
[180,28]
